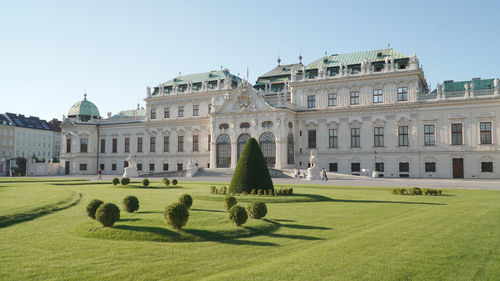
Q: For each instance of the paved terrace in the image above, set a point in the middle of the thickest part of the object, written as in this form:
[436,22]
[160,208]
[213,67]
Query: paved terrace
[346,180]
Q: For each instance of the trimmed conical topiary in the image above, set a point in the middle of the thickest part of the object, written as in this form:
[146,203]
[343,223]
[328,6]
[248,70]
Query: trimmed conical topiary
[251,171]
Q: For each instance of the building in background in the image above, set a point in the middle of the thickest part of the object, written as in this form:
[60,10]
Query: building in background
[366,112]
[6,144]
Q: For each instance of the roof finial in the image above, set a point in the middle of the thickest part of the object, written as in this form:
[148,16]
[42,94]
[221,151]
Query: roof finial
[85,96]
[138,106]
[300,57]
[279,60]
[325,53]
[388,45]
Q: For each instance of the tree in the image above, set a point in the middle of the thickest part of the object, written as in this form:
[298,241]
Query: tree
[251,171]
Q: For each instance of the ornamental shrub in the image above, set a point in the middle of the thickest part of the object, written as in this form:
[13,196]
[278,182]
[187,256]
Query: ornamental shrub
[131,204]
[116,181]
[415,191]
[125,181]
[176,215]
[107,214]
[238,215]
[92,207]
[174,182]
[213,189]
[145,182]
[166,181]
[229,202]
[186,200]
[257,210]
[251,171]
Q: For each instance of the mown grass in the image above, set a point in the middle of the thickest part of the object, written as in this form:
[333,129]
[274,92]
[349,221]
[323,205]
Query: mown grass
[359,233]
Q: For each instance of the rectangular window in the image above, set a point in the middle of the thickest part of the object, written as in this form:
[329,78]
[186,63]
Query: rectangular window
[209,141]
[84,145]
[196,110]
[354,98]
[311,101]
[68,145]
[139,144]
[332,138]
[403,94]
[379,167]
[153,113]
[429,135]
[180,143]
[113,167]
[378,96]
[486,167]
[179,166]
[115,145]
[456,134]
[404,167]
[355,167]
[103,145]
[485,132]
[379,136]
[166,112]
[139,167]
[332,99]
[125,164]
[195,143]
[152,167]
[101,166]
[311,138]
[403,135]
[166,144]
[332,167]
[165,167]
[127,144]
[152,144]
[430,167]
[355,137]
[83,167]
[180,112]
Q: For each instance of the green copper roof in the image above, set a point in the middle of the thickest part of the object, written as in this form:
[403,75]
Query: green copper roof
[130,113]
[282,70]
[356,58]
[200,77]
[458,86]
[84,108]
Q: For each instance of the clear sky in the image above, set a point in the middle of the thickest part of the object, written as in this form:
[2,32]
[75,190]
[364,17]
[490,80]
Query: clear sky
[51,52]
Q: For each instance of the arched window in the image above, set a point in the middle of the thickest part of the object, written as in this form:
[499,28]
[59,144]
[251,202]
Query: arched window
[267,143]
[224,126]
[289,150]
[242,140]
[223,151]
[245,125]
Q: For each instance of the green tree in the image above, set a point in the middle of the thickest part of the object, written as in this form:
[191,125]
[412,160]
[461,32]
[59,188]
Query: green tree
[251,171]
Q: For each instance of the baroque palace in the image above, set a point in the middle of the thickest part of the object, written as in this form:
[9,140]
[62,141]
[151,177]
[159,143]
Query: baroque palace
[359,112]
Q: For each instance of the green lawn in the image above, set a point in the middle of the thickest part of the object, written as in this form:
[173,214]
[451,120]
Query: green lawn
[322,233]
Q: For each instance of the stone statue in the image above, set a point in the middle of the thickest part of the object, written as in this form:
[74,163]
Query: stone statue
[148,91]
[131,161]
[313,172]
[414,62]
[313,158]
[191,168]
[495,82]
[204,85]
[227,83]
[131,170]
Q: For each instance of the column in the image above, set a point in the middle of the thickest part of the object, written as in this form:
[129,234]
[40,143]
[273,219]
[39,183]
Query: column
[234,156]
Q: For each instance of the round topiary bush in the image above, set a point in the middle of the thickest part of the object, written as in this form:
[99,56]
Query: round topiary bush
[116,181]
[186,200]
[125,181]
[107,214]
[174,182]
[238,215]
[145,182]
[229,202]
[177,215]
[166,181]
[257,210]
[251,171]
[131,204]
[92,207]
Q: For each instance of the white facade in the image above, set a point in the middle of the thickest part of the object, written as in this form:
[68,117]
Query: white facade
[352,119]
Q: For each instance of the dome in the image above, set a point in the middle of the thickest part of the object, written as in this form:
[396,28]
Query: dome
[85,109]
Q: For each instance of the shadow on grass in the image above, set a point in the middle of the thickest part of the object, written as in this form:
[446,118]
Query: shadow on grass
[386,202]
[217,237]
[300,226]
[129,219]
[284,220]
[38,212]
[206,210]
[82,183]
[291,236]
[151,229]
[149,212]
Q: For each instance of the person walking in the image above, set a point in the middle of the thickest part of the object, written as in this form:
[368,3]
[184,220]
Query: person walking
[324,177]
[99,174]
[297,174]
